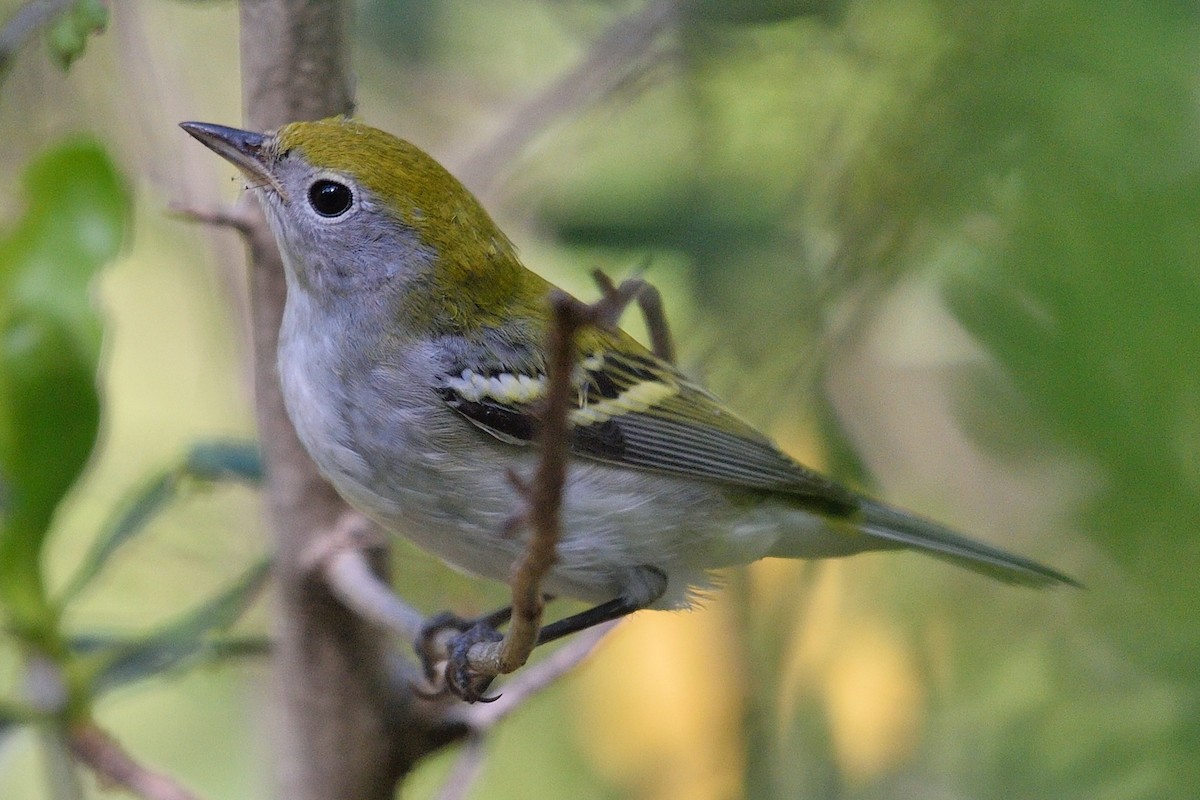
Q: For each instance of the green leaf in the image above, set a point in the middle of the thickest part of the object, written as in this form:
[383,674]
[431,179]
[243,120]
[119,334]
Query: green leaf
[151,499]
[76,214]
[77,210]
[225,460]
[67,36]
[130,660]
[184,641]
[49,418]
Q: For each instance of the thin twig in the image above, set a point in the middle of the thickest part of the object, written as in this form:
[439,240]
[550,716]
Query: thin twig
[649,302]
[543,498]
[609,60]
[543,495]
[466,770]
[341,560]
[234,217]
[104,756]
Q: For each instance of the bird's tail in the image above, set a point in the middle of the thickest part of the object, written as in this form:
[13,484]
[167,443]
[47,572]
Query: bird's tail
[899,528]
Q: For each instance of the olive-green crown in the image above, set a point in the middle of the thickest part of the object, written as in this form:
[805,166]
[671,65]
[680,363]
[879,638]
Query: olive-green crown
[477,276]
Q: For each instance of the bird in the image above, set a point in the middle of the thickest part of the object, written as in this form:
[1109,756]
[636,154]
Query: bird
[412,359]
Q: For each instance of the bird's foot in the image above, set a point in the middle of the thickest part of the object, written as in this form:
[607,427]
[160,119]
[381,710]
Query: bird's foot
[444,648]
[460,678]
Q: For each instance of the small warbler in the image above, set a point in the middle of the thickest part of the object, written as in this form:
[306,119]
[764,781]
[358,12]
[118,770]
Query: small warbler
[412,362]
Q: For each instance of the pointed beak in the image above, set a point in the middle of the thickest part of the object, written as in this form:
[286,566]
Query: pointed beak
[246,150]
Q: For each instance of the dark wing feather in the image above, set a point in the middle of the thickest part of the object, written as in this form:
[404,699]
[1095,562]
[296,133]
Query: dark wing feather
[639,412]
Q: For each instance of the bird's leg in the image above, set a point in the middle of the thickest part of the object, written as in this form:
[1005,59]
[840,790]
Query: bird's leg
[470,685]
[596,615]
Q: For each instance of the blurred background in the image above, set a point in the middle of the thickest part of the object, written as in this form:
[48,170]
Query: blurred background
[944,249]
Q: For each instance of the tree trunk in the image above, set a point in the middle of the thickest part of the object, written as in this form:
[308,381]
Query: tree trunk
[345,730]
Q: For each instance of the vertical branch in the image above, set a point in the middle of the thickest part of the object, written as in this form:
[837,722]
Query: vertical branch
[342,729]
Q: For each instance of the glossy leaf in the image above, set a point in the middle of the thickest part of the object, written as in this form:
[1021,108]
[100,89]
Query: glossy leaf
[49,417]
[49,348]
[76,213]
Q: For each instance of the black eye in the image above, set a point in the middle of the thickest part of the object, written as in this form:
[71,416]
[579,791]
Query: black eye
[330,198]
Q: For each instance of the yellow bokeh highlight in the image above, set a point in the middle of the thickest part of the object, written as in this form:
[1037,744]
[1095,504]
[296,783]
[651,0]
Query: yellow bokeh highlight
[875,702]
[863,669]
[660,707]
[818,632]
[864,672]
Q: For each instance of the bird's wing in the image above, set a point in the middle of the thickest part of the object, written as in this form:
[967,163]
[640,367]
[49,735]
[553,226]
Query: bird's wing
[637,411]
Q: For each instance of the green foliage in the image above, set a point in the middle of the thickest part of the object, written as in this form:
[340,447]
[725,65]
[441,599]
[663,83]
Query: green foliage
[49,348]
[67,35]
[76,213]
[1040,162]
[50,414]
[1090,304]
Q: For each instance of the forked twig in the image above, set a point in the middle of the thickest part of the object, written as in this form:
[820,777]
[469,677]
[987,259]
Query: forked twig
[649,301]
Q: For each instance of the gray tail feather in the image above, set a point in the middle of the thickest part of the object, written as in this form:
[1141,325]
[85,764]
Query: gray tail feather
[906,530]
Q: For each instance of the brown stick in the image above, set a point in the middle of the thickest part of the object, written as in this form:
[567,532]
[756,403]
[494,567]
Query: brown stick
[544,494]
[544,508]
[649,302]
[344,727]
[104,756]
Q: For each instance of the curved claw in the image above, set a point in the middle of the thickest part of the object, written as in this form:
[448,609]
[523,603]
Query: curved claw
[460,678]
